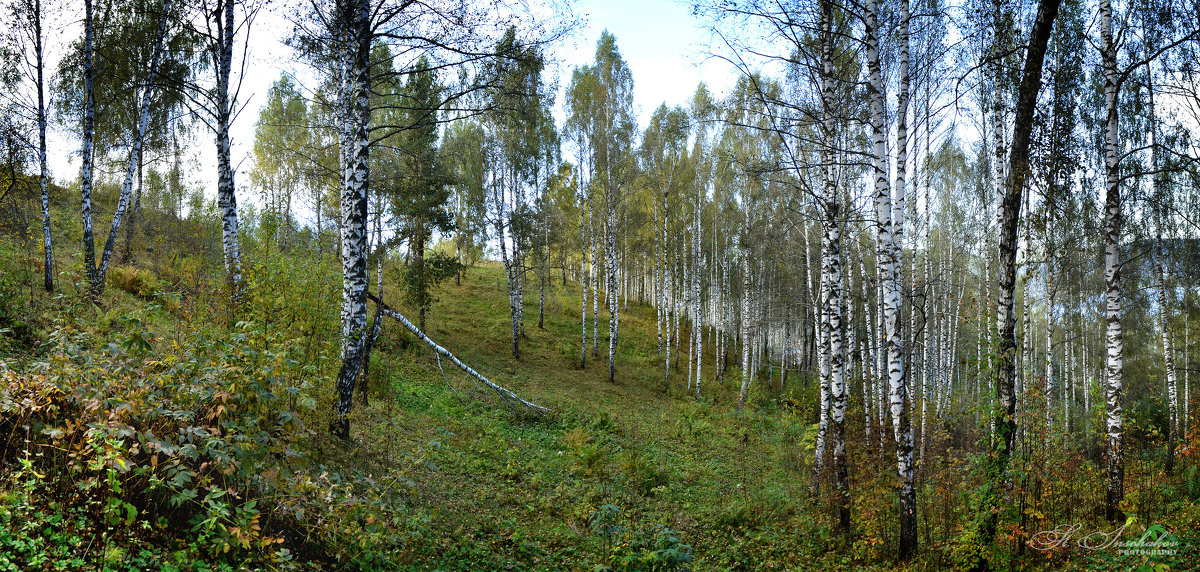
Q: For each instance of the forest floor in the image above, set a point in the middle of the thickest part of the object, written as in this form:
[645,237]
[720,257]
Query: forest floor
[153,433]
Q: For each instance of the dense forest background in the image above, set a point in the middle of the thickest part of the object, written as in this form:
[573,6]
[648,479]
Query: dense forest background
[915,293]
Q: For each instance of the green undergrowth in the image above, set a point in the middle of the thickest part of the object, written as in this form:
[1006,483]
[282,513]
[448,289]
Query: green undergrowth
[163,430]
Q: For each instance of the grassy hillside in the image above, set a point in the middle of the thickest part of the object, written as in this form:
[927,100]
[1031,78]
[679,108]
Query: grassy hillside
[438,474]
[160,430]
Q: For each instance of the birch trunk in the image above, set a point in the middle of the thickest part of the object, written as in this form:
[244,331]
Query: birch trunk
[595,284]
[1112,271]
[899,397]
[868,346]
[226,190]
[89,132]
[823,369]
[1161,258]
[657,272]
[747,373]
[614,309]
[1051,292]
[833,271]
[585,277]
[354,106]
[43,171]
[698,269]
[889,262]
[132,163]
[1014,187]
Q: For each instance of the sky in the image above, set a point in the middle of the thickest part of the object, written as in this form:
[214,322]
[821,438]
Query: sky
[664,45]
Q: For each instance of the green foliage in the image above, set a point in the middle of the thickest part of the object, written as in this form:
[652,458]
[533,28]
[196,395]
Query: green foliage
[654,549]
[16,331]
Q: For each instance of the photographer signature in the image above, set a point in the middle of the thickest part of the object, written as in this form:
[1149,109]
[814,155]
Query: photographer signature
[1068,535]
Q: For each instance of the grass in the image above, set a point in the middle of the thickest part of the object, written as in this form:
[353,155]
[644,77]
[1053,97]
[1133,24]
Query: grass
[633,474]
[716,477]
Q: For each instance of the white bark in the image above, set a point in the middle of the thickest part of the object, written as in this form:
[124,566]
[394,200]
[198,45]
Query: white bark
[354,108]
[697,312]
[747,373]
[888,237]
[136,149]
[1112,270]
[43,172]
[585,276]
[89,132]
[511,399]
[226,190]
[1160,258]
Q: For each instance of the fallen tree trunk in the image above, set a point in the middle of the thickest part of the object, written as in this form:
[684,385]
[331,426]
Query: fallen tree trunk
[506,394]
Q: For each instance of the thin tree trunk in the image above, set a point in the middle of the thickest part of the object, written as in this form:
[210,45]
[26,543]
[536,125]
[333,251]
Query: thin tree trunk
[834,280]
[226,190]
[139,138]
[889,263]
[747,373]
[43,171]
[614,308]
[510,264]
[127,253]
[595,287]
[89,132]
[545,277]
[585,278]
[1010,219]
[1160,258]
[899,395]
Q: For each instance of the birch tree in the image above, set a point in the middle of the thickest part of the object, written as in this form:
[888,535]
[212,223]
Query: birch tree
[339,35]
[664,159]
[219,33]
[889,264]
[145,97]
[29,39]
[1010,207]
[600,111]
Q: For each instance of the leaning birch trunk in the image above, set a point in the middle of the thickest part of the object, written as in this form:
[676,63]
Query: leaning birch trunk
[226,196]
[1112,270]
[134,153]
[1014,187]
[354,106]
[511,399]
[43,172]
[89,133]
